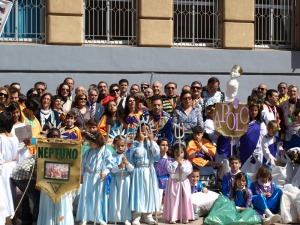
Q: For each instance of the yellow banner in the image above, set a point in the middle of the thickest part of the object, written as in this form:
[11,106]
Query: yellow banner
[58,166]
[231,120]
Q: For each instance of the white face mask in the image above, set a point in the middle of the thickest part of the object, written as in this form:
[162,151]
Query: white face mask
[235,74]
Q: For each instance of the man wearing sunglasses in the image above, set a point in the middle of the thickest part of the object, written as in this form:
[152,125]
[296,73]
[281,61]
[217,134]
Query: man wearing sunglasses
[261,93]
[212,94]
[171,100]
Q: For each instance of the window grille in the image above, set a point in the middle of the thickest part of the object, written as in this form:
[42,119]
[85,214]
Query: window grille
[196,23]
[26,22]
[110,21]
[274,23]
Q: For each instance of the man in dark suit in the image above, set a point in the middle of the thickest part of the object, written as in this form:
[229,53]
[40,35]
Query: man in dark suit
[96,108]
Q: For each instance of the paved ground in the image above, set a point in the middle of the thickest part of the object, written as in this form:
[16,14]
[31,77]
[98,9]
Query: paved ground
[196,222]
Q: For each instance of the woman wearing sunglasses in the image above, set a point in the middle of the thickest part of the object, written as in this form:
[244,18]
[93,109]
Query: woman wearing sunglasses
[4,95]
[115,92]
[82,111]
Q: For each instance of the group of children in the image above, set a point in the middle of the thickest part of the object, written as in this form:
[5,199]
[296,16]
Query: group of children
[150,173]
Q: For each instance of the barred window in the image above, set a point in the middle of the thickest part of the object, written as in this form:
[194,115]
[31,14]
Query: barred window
[274,23]
[110,21]
[196,23]
[26,22]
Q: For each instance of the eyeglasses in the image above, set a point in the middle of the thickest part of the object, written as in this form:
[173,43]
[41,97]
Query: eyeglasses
[82,99]
[2,94]
[171,88]
[261,89]
[114,90]
[187,98]
[213,88]
[66,90]
[196,87]
[282,87]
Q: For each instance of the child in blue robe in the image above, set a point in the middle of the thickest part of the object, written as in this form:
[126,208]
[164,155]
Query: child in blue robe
[119,207]
[96,163]
[144,199]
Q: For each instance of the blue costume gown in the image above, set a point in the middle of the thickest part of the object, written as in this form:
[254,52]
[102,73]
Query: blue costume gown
[249,140]
[89,196]
[144,185]
[60,213]
[125,212]
[228,181]
[260,202]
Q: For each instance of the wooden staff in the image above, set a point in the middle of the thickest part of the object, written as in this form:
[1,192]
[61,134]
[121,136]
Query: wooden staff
[102,168]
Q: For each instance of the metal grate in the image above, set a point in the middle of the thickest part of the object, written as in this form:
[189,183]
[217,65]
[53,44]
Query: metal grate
[196,23]
[274,23]
[26,22]
[110,21]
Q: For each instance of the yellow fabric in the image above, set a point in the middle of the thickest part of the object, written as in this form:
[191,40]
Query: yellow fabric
[193,146]
[58,166]
[282,99]
[102,126]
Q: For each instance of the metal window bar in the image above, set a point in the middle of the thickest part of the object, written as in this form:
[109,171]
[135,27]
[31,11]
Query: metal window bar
[26,22]
[110,22]
[274,24]
[196,23]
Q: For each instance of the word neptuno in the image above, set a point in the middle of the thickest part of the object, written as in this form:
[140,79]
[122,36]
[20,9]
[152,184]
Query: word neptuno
[58,153]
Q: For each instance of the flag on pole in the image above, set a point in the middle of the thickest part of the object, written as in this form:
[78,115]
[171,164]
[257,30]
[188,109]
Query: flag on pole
[5,8]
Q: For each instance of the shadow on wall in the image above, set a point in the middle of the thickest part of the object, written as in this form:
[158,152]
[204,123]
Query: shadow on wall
[295,60]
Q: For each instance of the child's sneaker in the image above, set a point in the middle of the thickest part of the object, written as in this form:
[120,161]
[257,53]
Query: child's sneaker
[127,222]
[275,218]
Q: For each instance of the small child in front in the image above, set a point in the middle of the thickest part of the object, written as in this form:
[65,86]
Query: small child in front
[178,191]
[266,196]
[119,211]
[96,163]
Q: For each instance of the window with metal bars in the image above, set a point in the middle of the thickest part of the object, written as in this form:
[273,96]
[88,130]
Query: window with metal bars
[26,22]
[274,23]
[196,23]
[110,21]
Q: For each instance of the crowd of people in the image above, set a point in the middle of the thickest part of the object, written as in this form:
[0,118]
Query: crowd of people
[145,146]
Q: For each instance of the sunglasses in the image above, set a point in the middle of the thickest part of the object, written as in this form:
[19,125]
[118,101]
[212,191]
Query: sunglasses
[82,99]
[114,90]
[196,87]
[171,88]
[2,94]
[144,87]
[213,88]
[261,89]
[66,90]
